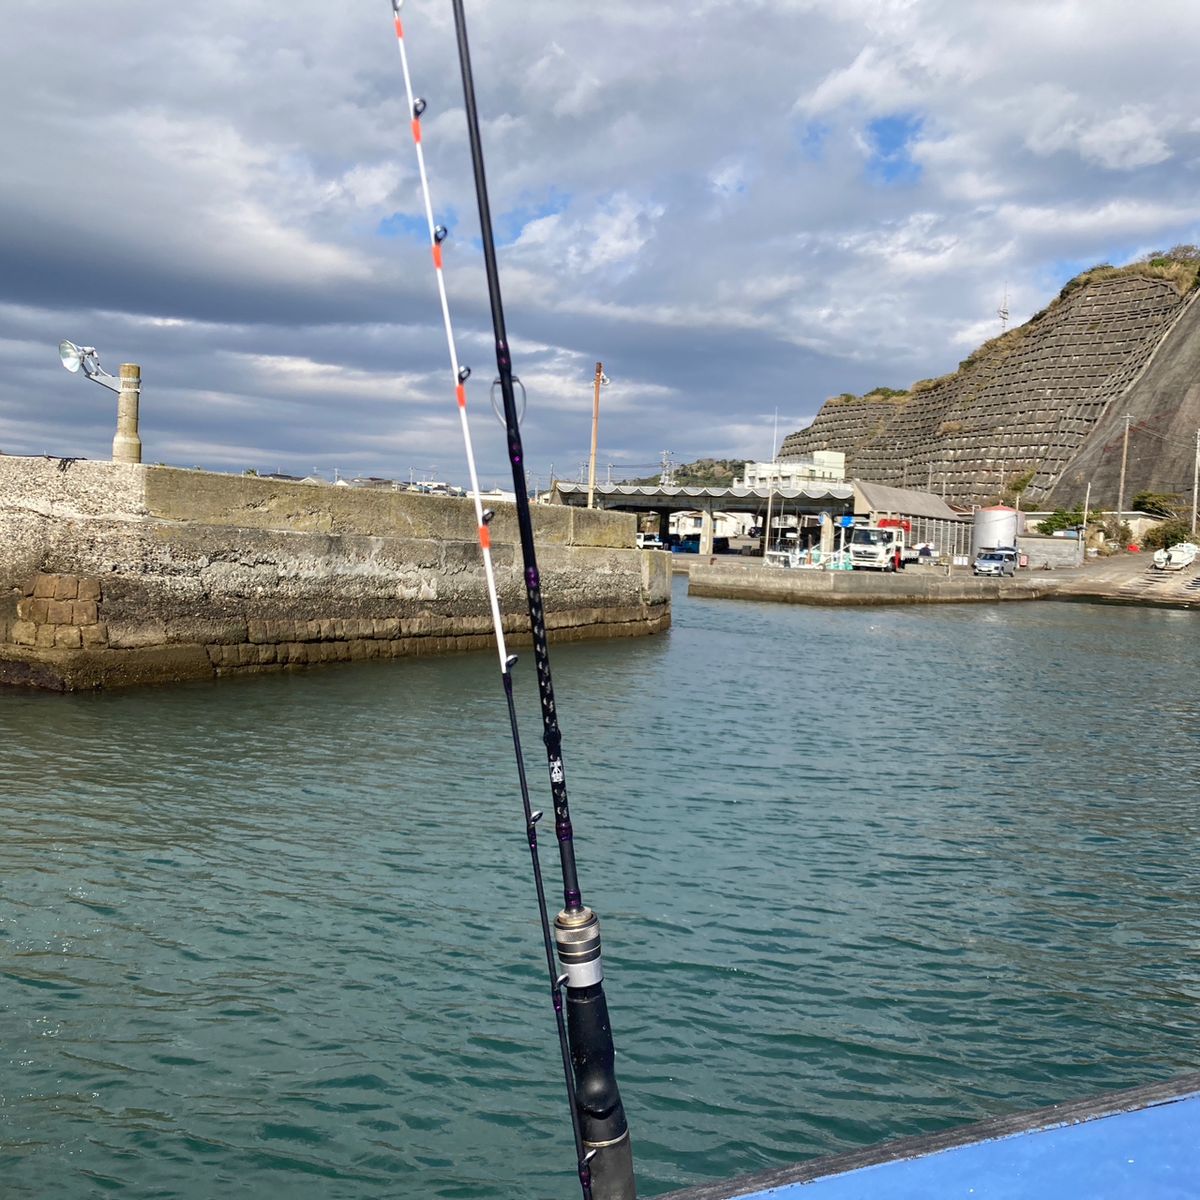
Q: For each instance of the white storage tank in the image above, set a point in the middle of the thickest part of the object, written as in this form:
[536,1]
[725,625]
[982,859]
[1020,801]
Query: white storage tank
[995,526]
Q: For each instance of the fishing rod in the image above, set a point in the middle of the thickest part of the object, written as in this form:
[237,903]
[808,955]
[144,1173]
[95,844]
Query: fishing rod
[576,928]
[603,1155]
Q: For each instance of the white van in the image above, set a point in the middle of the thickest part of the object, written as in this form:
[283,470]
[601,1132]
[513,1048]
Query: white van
[649,541]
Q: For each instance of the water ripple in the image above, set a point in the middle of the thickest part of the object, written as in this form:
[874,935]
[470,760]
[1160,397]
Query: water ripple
[861,874]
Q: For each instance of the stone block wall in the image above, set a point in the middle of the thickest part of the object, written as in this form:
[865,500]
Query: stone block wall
[105,579]
[1027,401]
[59,611]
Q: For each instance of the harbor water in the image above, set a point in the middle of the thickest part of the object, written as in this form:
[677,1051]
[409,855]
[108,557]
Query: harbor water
[861,873]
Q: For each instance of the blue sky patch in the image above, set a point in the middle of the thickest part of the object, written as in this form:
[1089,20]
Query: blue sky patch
[509,225]
[812,140]
[891,139]
[405,225]
[1059,271]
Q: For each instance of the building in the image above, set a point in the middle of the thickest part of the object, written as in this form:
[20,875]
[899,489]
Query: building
[821,466]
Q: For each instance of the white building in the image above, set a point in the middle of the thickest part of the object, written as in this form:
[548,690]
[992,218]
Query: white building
[822,466]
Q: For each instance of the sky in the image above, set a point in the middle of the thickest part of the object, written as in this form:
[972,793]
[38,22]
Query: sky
[741,207]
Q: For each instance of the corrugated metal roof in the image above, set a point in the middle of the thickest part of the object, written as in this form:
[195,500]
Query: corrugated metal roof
[875,497]
[828,491]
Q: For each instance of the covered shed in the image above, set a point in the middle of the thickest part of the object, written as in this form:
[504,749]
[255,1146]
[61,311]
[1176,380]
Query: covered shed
[925,518]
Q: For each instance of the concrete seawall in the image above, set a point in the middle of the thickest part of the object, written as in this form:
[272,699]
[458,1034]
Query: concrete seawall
[918,585]
[115,574]
[1123,579]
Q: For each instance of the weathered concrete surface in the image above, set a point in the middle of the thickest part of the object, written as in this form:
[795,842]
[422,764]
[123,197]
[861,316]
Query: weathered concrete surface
[1044,550]
[1129,579]
[917,585]
[1164,403]
[113,574]
[1123,579]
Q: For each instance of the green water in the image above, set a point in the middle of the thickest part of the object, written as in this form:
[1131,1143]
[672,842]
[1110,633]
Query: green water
[861,873]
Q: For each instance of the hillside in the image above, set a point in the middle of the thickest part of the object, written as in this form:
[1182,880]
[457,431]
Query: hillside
[1024,407]
[704,472]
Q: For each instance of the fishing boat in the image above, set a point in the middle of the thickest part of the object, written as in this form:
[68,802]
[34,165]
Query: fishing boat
[1139,1143]
[1175,558]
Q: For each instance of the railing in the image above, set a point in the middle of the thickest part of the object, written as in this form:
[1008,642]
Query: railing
[812,560]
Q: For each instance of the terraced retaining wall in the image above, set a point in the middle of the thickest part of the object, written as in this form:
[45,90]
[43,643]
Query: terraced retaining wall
[116,574]
[1043,399]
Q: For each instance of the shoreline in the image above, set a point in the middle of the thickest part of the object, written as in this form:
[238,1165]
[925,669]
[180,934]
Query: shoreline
[1126,580]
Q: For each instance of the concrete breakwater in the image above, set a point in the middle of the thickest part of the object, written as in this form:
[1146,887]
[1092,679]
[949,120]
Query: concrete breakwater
[114,574]
[918,585]
[1123,579]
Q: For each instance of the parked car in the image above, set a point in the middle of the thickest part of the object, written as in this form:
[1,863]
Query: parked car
[995,562]
[649,541]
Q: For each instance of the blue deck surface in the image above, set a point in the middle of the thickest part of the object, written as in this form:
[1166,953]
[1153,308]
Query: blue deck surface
[1150,1154]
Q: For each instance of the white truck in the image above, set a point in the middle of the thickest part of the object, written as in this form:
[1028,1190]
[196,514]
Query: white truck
[875,547]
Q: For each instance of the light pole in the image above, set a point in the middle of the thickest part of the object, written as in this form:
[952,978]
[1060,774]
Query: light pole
[1195,480]
[1124,459]
[127,445]
[599,381]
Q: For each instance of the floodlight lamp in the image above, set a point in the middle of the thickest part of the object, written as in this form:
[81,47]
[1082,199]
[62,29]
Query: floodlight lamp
[84,358]
[72,355]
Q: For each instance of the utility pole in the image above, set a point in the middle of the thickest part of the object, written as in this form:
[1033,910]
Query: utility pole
[1124,458]
[1195,480]
[599,379]
[929,478]
[1087,500]
[666,477]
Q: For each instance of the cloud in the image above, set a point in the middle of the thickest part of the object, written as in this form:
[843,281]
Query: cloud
[732,214]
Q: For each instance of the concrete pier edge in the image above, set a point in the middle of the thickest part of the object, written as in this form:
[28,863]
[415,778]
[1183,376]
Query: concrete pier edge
[114,574]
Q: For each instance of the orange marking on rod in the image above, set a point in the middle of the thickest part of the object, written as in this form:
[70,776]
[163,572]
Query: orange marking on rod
[437,256]
[462,396]
[485,538]
[399,28]
[416,128]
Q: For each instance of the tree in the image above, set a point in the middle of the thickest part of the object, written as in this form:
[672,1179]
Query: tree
[1168,533]
[1157,504]
[1061,519]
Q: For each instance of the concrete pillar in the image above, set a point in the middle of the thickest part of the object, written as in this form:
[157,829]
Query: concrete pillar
[827,528]
[127,446]
[706,532]
[664,525]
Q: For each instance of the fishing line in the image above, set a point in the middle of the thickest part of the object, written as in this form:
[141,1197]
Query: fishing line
[437,235]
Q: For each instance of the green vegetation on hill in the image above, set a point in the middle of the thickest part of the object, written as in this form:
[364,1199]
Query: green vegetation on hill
[874,396]
[704,472]
[1180,264]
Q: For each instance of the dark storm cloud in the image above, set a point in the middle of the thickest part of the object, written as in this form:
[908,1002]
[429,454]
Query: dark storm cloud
[740,207]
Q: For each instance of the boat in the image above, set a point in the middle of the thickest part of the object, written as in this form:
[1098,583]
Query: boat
[1175,558]
[1139,1142]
